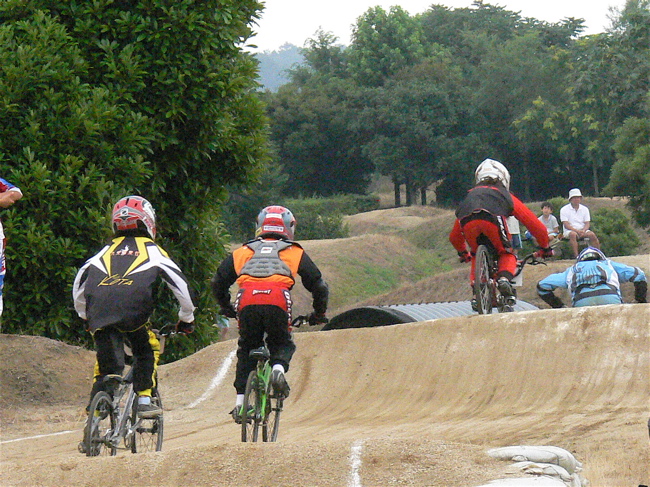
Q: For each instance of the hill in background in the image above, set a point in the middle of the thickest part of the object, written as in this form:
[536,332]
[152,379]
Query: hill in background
[274,65]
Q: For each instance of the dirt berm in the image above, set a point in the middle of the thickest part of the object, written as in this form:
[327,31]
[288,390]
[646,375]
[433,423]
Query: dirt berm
[419,404]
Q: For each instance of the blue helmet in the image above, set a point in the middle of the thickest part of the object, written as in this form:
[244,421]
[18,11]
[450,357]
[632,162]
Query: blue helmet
[591,253]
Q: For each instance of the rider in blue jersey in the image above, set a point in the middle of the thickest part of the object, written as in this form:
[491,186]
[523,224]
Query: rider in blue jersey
[593,280]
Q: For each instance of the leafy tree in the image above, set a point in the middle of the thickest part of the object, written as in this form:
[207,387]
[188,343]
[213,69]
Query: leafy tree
[70,147]
[631,172]
[610,79]
[317,148]
[179,73]
[324,56]
[383,43]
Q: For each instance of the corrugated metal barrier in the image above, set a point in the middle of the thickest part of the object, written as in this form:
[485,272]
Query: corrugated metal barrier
[406,313]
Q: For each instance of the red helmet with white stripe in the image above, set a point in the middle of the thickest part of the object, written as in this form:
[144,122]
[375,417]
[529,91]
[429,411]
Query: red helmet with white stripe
[275,221]
[132,213]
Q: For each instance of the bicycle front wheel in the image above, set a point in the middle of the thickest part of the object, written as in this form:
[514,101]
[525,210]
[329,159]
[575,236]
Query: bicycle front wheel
[99,426]
[147,433]
[251,416]
[482,280]
[271,422]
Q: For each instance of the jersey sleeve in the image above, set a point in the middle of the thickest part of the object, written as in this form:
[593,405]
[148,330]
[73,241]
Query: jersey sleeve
[225,277]
[456,237]
[179,285]
[78,291]
[627,273]
[552,282]
[313,281]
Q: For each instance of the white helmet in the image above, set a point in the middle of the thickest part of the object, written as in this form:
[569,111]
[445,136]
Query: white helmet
[491,169]
[591,253]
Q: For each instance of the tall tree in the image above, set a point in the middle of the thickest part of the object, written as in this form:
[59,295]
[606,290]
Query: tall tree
[180,68]
[631,172]
[383,43]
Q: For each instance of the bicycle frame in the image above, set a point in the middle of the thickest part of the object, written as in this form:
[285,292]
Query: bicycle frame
[124,398]
[118,402]
[261,411]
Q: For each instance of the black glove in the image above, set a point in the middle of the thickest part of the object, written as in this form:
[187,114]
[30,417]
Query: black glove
[316,319]
[641,291]
[228,311]
[545,253]
[552,300]
[464,256]
[184,328]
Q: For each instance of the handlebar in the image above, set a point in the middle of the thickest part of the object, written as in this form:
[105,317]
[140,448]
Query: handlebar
[167,331]
[302,319]
[531,259]
[298,321]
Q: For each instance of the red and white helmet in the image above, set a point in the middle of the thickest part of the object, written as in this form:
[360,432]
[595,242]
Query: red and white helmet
[133,212]
[491,169]
[275,221]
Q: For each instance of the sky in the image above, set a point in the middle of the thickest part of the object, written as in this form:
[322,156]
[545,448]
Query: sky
[294,21]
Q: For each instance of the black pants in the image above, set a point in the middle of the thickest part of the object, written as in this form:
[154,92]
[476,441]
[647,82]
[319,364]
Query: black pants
[255,321]
[109,343]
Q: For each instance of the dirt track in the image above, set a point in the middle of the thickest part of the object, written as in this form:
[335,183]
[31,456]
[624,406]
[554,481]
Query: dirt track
[420,402]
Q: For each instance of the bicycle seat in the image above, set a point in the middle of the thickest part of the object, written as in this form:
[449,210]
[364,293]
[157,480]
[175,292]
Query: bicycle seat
[113,379]
[260,353]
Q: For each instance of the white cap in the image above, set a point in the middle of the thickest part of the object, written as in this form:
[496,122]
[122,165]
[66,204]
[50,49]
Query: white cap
[574,192]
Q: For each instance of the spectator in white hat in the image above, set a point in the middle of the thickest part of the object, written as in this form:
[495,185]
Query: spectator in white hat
[576,219]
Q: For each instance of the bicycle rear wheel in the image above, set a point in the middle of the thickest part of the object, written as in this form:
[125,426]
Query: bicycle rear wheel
[251,415]
[99,426]
[148,433]
[483,292]
[271,423]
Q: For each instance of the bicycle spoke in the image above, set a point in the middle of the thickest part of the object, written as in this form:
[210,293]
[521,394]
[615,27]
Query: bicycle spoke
[483,292]
[99,426]
[271,424]
[147,433]
[251,416]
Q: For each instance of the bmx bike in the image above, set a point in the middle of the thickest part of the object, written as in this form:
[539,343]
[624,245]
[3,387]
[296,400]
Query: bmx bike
[113,421]
[262,403]
[486,291]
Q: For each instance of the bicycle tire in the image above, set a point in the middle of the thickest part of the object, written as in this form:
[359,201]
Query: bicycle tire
[148,433]
[99,426]
[483,291]
[250,425]
[271,419]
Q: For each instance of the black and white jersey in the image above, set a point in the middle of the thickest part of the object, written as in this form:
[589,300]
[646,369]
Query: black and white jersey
[115,287]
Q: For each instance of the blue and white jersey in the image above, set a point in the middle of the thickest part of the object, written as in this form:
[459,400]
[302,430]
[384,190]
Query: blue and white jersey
[592,282]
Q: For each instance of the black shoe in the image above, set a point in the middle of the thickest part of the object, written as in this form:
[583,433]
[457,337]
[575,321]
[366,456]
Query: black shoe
[149,411]
[505,287]
[280,385]
[238,412]
[474,304]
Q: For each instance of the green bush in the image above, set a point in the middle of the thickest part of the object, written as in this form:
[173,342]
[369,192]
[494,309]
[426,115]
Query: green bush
[615,232]
[322,218]
[345,204]
[317,220]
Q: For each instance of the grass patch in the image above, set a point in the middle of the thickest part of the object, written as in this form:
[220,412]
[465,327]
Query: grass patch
[359,278]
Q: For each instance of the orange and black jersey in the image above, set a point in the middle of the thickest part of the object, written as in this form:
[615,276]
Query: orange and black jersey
[115,287]
[292,261]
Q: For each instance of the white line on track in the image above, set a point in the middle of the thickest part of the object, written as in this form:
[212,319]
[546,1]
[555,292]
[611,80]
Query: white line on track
[39,436]
[355,464]
[216,380]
